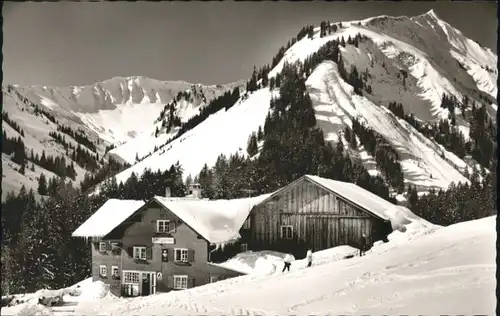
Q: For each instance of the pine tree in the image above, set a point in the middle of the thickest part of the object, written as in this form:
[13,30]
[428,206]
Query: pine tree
[22,170]
[252,147]
[42,185]
[260,134]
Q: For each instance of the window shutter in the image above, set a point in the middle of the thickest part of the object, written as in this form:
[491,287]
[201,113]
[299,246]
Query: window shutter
[130,251]
[190,282]
[171,226]
[191,255]
[171,254]
[149,253]
[170,282]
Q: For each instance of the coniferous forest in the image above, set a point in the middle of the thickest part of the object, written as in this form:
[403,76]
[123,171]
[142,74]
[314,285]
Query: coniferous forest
[37,248]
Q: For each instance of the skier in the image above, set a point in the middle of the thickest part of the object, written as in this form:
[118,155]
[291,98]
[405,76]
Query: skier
[363,245]
[288,262]
[309,257]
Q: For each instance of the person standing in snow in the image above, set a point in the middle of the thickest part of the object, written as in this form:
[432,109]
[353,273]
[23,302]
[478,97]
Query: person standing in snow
[309,257]
[288,262]
[363,245]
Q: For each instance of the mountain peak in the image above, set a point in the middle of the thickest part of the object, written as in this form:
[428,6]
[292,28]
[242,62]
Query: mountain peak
[431,13]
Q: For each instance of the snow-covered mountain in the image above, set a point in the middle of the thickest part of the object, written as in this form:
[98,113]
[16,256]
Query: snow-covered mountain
[409,60]
[107,114]
[141,121]
[186,104]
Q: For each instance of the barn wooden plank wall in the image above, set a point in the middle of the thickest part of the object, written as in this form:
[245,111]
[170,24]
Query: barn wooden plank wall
[319,218]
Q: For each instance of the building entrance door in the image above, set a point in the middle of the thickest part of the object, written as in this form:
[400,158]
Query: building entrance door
[146,284]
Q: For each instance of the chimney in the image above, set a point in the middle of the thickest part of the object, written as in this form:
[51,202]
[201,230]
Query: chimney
[167,192]
[196,189]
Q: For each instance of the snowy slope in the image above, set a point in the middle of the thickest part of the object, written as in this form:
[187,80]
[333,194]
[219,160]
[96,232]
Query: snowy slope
[186,106]
[477,57]
[117,109]
[419,46]
[424,47]
[225,132]
[262,262]
[336,105]
[451,269]
[36,138]
[108,112]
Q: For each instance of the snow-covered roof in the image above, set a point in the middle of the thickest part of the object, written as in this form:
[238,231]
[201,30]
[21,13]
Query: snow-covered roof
[107,217]
[357,195]
[218,221]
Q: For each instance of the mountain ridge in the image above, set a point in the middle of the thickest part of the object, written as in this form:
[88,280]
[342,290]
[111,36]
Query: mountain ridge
[96,111]
[415,61]
[425,82]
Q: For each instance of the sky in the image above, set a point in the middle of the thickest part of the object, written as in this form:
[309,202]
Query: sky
[78,43]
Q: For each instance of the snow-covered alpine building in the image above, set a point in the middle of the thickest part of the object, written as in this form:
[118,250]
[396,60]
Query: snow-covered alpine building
[164,244]
[168,243]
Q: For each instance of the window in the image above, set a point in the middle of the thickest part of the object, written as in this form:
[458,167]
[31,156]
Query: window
[103,271]
[286,232]
[131,277]
[181,254]
[114,272]
[102,246]
[164,255]
[244,247]
[164,226]
[140,253]
[115,248]
[214,278]
[180,282]
[246,224]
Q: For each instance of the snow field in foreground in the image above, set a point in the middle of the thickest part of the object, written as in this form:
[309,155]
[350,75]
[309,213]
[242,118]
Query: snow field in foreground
[426,269]
[84,291]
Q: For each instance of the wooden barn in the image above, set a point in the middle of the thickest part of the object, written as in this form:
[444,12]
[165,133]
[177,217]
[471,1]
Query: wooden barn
[316,213]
